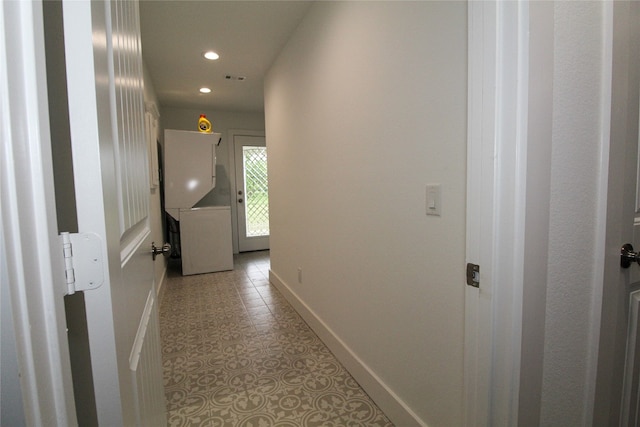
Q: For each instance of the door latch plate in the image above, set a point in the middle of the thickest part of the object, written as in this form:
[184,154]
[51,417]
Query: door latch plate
[473,275]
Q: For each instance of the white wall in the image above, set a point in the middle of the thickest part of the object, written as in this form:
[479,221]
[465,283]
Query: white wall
[222,121]
[364,107]
[573,275]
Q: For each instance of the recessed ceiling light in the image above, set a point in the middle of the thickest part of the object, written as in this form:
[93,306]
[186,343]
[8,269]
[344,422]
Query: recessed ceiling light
[211,55]
[205,90]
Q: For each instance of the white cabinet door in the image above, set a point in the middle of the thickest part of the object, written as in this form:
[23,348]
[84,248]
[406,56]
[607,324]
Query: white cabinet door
[205,236]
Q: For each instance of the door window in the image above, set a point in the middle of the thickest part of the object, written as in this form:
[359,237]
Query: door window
[256,191]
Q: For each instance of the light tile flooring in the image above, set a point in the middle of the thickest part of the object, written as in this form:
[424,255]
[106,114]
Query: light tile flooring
[235,353]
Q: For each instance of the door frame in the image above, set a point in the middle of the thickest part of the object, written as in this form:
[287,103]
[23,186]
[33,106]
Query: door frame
[231,134]
[505,324]
[508,189]
[490,26]
[29,234]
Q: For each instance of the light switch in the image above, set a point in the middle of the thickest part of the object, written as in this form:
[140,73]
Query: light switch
[433,199]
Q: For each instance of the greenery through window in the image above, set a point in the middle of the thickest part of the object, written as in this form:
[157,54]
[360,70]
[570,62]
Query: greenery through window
[256,191]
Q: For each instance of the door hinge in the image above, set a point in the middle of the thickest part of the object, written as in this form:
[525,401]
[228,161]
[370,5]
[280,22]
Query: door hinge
[83,261]
[473,275]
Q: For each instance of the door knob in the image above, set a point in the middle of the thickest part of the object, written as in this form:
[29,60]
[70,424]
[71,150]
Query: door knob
[155,250]
[628,255]
[239,200]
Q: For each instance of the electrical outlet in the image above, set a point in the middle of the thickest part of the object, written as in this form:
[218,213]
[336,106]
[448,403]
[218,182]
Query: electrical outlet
[299,274]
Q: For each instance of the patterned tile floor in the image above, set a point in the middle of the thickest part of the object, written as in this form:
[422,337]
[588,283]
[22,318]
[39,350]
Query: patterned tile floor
[235,353]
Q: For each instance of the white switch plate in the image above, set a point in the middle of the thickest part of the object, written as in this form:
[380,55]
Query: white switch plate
[433,198]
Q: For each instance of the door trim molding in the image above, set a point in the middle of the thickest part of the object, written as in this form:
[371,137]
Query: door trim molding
[231,134]
[497,158]
[600,252]
[34,274]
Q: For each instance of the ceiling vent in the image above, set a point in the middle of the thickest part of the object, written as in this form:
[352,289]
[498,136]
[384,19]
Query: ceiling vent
[239,78]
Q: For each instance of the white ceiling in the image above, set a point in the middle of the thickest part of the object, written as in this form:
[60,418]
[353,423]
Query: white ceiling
[247,35]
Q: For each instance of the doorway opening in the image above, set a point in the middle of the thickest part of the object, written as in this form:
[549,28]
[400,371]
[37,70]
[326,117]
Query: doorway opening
[252,192]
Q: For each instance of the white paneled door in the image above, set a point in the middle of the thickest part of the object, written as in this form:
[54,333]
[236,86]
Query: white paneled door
[617,400]
[111,174]
[252,192]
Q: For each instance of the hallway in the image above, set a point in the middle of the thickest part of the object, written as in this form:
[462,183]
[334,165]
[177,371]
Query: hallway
[235,353]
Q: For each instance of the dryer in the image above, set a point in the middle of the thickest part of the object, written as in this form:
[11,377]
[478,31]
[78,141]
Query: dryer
[189,175]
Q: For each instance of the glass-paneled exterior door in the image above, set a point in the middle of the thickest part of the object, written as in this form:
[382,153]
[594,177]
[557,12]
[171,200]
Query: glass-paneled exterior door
[252,195]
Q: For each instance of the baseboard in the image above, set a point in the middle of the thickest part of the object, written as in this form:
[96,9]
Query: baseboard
[397,411]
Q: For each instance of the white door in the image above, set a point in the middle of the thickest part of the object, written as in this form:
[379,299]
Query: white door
[252,192]
[618,377]
[110,164]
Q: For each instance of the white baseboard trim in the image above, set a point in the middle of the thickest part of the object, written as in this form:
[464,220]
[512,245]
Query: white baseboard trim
[397,411]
